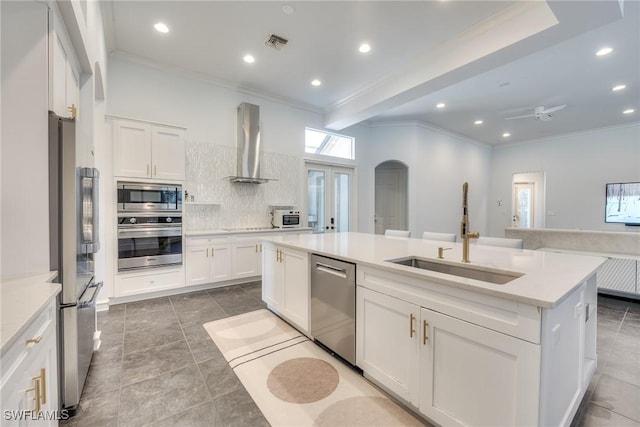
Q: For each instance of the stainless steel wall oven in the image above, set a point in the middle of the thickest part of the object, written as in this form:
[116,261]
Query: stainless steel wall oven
[149,225]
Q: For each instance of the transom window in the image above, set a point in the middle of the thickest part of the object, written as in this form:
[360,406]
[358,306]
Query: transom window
[328,144]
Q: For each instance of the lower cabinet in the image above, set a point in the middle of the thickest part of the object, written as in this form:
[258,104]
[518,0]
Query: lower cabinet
[211,260]
[285,283]
[30,375]
[247,258]
[145,281]
[454,372]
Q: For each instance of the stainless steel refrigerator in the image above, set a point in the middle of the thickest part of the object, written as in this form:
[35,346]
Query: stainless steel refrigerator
[73,225]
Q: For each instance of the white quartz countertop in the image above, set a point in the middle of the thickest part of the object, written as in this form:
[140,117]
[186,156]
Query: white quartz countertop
[548,277]
[22,298]
[252,230]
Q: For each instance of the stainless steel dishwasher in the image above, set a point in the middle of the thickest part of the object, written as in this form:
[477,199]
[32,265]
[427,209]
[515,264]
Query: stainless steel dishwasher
[333,305]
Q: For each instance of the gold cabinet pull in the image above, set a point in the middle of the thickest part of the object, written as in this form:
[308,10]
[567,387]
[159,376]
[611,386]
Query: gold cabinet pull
[425,332]
[256,248]
[412,330]
[207,252]
[147,169]
[155,170]
[260,247]
[36,394]
[73,110]
[34,340]
[43,385]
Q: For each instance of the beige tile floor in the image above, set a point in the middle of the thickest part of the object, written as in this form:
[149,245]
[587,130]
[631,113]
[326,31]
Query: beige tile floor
[157,365]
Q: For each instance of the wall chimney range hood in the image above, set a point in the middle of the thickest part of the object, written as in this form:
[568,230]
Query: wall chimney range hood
[248,123]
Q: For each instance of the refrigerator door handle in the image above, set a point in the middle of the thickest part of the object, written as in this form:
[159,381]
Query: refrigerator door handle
[90,210]
[91,301]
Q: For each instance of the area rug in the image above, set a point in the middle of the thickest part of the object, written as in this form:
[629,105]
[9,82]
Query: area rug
[294,382]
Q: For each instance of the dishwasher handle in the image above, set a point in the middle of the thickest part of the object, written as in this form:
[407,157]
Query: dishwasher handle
[336,271]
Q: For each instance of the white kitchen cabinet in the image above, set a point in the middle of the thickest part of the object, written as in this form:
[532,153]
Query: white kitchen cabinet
[247,258]
[64,87]
[272,278]
[146,281]
[30,374]
[454,372]
[143,150]
[387,341]
[208,261]
[470,375]
[220,262]
[285,283]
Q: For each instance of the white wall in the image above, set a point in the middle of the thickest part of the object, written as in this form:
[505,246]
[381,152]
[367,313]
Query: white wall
[438,164]
[25,158]
[207,110]
[576,167]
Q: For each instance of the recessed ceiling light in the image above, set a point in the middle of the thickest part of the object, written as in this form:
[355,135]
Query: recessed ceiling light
[287,9]
[478,122]
[506,135]
[249,59]
[441,105]
[618,87]
[364,48]
[628,111]
[161,27]
[316,82]
[604,51]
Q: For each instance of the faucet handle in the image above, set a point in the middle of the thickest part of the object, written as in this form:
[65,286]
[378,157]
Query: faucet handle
[473,234]
[441,252]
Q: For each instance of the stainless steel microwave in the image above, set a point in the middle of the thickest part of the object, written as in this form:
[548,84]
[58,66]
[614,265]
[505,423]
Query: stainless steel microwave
[285,218]
[145,197]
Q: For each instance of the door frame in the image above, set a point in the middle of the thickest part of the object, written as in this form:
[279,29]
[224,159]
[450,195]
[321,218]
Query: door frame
[353,186]
[404,169]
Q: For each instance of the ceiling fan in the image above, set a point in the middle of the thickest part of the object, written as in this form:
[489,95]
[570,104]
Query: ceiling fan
[541,113]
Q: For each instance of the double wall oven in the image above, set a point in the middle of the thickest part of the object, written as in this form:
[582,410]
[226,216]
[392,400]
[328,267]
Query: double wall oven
[149,225]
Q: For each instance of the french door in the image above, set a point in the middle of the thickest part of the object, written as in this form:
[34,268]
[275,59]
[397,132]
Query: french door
[523,204]
[329,194]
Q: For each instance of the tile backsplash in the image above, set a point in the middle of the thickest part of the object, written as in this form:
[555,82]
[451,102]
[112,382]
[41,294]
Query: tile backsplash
[214,202]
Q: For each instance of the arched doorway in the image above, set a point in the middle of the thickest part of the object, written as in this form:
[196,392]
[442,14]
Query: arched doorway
[390,196]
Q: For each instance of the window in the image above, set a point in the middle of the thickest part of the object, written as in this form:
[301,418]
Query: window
[328,144]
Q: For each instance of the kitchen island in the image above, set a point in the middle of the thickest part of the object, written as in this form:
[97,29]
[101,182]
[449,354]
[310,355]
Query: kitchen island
[458,350]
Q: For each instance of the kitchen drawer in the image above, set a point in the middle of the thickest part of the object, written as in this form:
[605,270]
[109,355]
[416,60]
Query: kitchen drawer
[42,327]
[509,317]
[149,281]
[207,241]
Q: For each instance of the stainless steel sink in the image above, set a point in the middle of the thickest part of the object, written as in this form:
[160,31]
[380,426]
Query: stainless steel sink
[498,277]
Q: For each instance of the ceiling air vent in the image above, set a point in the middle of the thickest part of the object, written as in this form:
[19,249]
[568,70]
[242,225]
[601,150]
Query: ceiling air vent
[275,42]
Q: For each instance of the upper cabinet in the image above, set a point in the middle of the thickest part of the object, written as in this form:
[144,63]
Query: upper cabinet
[64,75]
[144,150]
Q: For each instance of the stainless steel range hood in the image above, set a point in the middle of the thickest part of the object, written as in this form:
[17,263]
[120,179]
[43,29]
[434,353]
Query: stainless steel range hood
[248,146]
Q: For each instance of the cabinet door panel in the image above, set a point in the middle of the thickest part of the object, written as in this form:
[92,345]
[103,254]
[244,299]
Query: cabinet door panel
[220,263]
[272,278]
[132,150]
[168,153]
[59,82]
[386,347]
[296,286]
[72,91]
[246,260]
[474,376]
[198,265]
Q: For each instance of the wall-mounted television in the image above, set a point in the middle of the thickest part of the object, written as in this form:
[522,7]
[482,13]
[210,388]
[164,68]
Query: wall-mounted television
[623,203]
